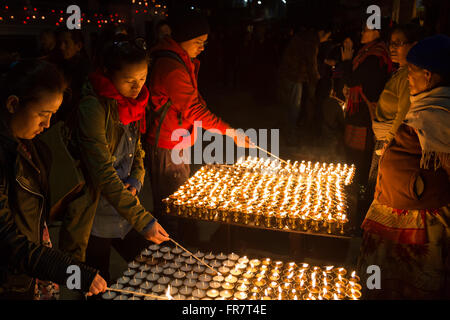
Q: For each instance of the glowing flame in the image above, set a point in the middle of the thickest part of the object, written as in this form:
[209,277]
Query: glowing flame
[169,297]
[353,274]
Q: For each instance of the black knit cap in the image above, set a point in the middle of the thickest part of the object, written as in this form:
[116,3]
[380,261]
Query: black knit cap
[188,26]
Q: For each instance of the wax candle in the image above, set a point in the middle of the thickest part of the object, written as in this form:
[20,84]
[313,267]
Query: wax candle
[146,285]
[158,288]
[123,280]
[198,293]
[179,260]
[215,285]
[228,286]
[156,269]
[242,287]
[202,285]
[134,265]
[259,282]
[152,277]
[354,277]
[186,268]
[176,250]
[129,272]
[144,267]
[176,283]
[230,279]
[226,294]
[204,277]
[218,278]
[169,271]
[179,297]
[140,275]
[224,270]
[228,263]
[185,290]
[163,280]
[109,295]
[198,268]
[240,295]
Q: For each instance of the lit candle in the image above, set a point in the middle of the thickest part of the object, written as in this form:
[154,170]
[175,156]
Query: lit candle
[228,286]
[354,277]
[259,282]
[266,296]
[240,295]
[230,279]
[226,294]
[212,293]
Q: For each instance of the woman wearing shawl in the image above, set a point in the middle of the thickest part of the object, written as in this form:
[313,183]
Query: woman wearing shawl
[110,122]
[406,230]
[365,78]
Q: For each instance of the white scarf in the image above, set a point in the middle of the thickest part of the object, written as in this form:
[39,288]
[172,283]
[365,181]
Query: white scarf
[429,114]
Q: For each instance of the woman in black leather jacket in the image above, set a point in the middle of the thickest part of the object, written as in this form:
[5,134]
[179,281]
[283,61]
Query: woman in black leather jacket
[31,94]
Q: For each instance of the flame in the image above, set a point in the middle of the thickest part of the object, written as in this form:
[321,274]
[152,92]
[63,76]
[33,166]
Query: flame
[290,276]
[335,297]
[169,297]
[353,274]
[329,268]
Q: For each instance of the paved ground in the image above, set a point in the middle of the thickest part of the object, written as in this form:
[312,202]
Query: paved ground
[242,110]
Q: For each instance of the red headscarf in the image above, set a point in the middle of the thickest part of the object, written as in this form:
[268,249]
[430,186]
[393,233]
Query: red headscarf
[130,110]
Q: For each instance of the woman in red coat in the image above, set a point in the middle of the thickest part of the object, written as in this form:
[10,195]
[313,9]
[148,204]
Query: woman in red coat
[177,106]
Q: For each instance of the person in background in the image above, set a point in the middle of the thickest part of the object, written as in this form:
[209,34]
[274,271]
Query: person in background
[47,43]
[176,104]
[30,268]
[110,121]
[163,30]
[298,73]
[393,103]
[406,229]
[365,76]
[73,61]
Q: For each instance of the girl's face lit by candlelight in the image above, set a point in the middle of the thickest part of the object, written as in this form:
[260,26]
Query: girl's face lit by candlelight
[28,121]
[130,79]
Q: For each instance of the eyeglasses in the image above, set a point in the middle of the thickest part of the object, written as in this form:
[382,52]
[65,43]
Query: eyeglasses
[138,42]
[398,44]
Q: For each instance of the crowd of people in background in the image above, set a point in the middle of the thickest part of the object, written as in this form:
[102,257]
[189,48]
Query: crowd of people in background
[379,97]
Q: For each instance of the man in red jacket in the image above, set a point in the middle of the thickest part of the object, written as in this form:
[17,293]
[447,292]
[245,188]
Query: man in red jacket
[176,104]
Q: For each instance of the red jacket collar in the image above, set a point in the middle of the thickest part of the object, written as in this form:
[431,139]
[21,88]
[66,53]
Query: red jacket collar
[169,44]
